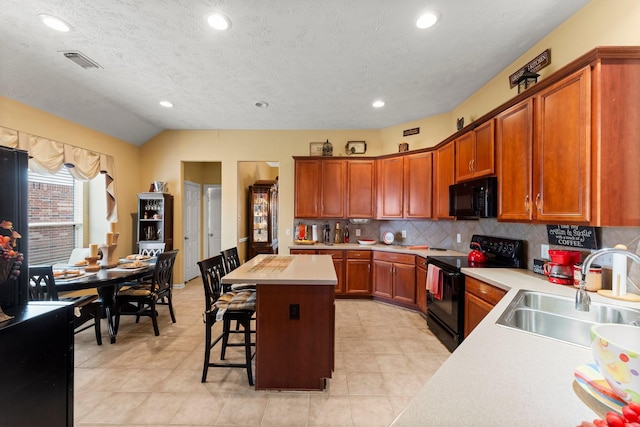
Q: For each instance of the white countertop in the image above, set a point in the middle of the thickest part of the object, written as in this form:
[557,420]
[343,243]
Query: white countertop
[504,377]
[380,247]
[302,270]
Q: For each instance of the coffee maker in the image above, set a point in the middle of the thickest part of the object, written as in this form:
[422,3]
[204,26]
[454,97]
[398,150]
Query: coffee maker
[560,269]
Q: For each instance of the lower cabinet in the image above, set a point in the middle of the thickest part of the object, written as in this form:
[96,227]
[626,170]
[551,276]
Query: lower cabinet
[394,277]
[479,300]
[358,275]
[421,284]
[338,264]
[36,350]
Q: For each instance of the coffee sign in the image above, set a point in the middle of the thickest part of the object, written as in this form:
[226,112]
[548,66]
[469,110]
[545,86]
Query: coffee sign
[575,236]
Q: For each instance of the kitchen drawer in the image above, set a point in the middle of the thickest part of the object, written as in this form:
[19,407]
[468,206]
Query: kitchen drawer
[335,254]
[395,257]
[359,254]
[484,291]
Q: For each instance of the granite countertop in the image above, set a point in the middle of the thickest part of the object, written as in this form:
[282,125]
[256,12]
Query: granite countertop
[504,377]
[407,249]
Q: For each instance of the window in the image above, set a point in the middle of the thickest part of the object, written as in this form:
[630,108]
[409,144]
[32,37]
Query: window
[56,205]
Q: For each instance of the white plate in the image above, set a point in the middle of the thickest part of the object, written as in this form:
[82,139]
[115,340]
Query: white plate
[67,274]
[388,237]
[367,242]
[132,265]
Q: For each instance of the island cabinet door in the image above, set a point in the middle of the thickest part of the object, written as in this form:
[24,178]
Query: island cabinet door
[294,336]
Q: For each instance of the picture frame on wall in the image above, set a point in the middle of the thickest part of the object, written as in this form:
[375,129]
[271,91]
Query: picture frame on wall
[356,147]
[315,148]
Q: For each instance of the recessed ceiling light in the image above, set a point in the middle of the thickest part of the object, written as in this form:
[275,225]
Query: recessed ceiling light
[378,104]
[261,104]
[219,21]
[427,20]
[166,104]
[55,23]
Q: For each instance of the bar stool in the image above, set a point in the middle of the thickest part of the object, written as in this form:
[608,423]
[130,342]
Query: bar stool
[226,307]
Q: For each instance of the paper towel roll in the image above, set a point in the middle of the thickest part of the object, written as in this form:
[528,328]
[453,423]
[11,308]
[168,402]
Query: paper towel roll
[314,232]
[619,273]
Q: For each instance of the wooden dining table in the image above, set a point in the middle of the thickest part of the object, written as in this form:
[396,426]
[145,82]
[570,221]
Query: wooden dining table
[106,281]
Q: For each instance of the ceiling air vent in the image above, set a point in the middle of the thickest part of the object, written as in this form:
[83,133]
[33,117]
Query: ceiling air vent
[81,59]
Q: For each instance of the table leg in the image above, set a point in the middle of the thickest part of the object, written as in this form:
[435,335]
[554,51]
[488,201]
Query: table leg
[107,295]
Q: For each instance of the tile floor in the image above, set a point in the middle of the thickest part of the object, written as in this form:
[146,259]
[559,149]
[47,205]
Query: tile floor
[384,355]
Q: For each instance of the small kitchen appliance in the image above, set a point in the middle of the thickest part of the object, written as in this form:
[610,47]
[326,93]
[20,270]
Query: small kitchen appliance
[476,255]
[560,269]
[445,313]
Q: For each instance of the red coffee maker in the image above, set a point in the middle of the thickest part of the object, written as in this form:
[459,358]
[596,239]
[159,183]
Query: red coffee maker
[560,269]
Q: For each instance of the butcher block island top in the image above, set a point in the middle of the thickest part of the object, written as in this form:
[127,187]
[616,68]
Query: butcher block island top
[295,318]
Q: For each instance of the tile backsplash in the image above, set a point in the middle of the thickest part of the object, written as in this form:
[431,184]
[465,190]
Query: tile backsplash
[443,234]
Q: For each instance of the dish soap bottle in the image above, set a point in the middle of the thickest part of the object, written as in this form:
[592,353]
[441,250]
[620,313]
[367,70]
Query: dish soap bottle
[345,233]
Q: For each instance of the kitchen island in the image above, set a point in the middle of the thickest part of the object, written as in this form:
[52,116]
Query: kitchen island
[295,318]
[505,377]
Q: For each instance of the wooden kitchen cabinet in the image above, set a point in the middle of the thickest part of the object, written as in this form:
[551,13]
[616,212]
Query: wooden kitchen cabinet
[444,176]
[514,152]
[394,277]
[319,188]
[421,284]
[479,300]
[545,176]
[404,186]
[338,264]
[474,152]
[361,188]
[358,273]
[390,182]
[418,185]
[307,182]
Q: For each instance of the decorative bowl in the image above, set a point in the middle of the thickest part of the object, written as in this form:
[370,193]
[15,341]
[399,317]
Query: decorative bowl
[367,242]
[616,350]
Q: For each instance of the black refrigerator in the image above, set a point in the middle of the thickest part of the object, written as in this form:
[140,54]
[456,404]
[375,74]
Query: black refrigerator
[14,196]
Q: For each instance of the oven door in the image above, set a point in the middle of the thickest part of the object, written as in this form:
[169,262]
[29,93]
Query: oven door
[447,309]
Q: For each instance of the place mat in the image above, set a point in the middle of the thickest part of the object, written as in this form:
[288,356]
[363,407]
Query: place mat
[272,264]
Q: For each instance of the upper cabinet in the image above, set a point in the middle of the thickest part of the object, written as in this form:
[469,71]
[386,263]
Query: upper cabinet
[361,189]
[474,152]
[444,176]
[334,188]
[404,186]
[544,175]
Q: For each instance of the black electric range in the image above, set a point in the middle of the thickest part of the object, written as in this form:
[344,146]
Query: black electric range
[445,310]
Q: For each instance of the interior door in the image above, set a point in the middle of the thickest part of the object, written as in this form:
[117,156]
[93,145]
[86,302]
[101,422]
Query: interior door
[191,225]
[213,195]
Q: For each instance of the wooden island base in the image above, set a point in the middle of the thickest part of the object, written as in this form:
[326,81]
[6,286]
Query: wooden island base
[295,332]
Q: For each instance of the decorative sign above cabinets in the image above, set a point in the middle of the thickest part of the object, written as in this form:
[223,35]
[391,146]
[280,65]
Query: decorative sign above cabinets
[413,131]
[537,63]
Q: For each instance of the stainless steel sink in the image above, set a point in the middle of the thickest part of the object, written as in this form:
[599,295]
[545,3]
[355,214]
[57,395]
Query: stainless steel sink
[555,317]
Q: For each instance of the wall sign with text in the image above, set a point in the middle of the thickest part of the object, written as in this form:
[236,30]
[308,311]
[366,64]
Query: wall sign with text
[575,236]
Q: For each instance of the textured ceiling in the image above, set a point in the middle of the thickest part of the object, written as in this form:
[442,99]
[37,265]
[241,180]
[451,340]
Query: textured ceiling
[319,64]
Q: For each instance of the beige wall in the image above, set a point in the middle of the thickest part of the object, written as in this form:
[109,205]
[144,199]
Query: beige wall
[23,118]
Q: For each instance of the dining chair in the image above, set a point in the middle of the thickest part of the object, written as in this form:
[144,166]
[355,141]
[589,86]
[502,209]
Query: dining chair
[86,307]
[225,307]
[78,255]
[150,249]
[141,299]
[231,262]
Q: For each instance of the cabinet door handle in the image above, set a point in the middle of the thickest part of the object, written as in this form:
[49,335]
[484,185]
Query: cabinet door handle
[473,165]
[469,166]
[526,203]
[538,201]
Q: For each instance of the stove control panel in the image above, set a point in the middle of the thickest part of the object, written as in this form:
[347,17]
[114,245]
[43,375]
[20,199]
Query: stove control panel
[501,248]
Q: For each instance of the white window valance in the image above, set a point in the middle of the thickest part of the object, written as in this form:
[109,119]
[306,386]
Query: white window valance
[48,156]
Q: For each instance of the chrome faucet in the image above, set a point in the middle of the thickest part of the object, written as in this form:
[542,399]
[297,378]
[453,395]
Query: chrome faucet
[583,301]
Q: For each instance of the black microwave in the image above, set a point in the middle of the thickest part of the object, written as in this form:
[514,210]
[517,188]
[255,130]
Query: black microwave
[474,199]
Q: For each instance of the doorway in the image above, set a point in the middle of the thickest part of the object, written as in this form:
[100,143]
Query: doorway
[213,214]
[191,226]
